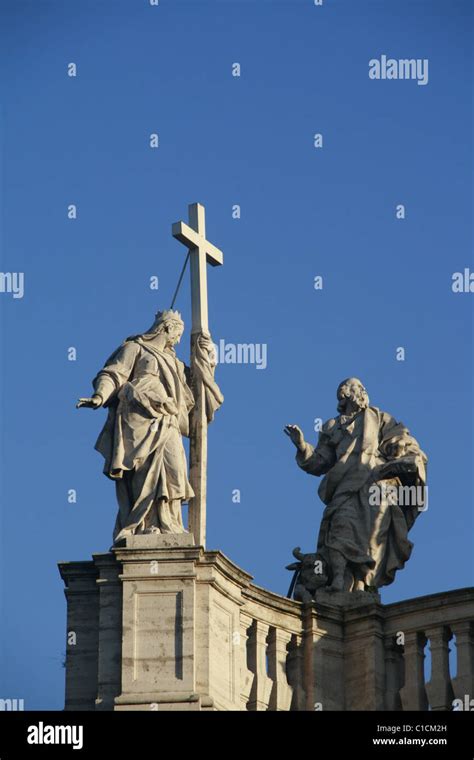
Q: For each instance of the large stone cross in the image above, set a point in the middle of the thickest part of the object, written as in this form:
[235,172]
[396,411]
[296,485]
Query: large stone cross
[201,253]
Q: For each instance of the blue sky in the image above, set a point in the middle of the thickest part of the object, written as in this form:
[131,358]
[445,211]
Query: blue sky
[227,140]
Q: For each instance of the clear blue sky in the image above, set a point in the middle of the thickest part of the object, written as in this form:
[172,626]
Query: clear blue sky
[304,212]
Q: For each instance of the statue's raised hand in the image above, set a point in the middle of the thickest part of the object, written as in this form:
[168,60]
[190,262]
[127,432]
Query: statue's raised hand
[296,435]
[92,403]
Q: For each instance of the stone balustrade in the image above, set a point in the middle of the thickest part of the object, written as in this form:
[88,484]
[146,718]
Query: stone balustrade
[159,624]
[431,624]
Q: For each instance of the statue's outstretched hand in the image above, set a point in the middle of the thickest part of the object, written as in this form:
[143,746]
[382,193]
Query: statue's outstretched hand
[92,403]
[296,435]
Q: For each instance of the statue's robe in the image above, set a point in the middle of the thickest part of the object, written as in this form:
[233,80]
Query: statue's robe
[141,441]
[350,452]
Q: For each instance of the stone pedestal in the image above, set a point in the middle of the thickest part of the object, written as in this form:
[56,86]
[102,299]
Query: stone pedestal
[155,626]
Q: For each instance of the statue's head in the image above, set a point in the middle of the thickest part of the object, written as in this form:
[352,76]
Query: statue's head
[352,396]
[168,322]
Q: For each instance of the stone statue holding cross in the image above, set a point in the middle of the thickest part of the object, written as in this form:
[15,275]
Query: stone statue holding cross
[153,400]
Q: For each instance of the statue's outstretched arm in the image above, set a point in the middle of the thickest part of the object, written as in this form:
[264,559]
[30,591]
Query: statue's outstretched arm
[111,378]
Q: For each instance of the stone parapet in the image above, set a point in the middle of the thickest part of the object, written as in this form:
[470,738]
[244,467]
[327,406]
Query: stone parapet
[161,624]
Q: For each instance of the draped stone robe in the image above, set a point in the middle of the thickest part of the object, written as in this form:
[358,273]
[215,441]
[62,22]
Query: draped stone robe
[351,453]
[148,398]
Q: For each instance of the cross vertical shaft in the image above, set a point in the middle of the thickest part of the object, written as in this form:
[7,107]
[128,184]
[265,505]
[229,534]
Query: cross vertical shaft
[201,252]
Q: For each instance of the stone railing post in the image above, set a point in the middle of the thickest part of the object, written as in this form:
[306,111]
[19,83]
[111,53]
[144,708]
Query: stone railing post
[295,672]
[246,675]
[281,694]
[262,685]
[463,683]
[394,674]
[413,694]
[439,689]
